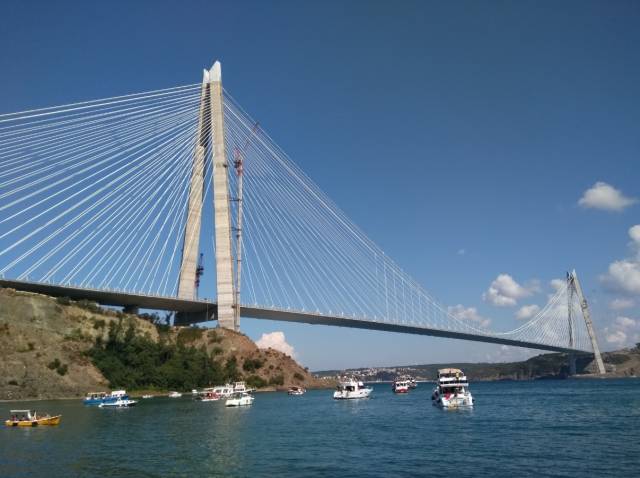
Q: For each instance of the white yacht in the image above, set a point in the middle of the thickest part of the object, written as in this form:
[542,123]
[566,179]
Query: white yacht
[350,389]
[175,395]
[224,391]
[240,399]
[452,389]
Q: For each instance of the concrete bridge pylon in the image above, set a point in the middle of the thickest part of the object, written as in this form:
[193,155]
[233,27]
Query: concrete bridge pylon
[211,133]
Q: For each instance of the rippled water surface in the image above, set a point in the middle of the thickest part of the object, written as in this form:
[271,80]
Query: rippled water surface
[544,428]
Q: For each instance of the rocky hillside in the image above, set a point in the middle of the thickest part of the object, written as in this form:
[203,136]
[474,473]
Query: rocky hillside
[49,348]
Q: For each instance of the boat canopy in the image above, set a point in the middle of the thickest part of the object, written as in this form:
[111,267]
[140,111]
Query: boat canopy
[449,370]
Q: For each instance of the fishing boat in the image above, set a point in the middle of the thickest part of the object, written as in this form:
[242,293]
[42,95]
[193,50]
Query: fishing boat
[452,389]
[96,398]
[175,395]
[351,389]
[241,399]
[122,403]
[29,418]
[400,385]
[296,391]
[412,382]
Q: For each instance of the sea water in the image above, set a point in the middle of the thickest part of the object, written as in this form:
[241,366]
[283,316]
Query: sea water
[568,428]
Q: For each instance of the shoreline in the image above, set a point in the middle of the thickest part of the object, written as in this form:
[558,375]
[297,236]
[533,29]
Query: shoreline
[136,394]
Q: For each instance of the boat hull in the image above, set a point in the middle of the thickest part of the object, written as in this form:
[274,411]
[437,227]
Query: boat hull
[239,402]
[48,421]
[119,404]
[352,395]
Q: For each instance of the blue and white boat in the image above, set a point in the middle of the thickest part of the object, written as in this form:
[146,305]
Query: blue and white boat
[99,398]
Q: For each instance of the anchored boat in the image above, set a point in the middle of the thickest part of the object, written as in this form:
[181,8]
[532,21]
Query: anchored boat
[122,403]
[29,418]
[240,399]
[400,386]
[452,389]
[351,389]
[96,398]
[296,391]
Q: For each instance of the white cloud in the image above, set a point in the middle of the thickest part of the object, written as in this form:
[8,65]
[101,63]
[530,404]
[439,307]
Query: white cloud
[623,332]
[634,234]
[617,337]
[605,197]
[527,311]
[625,322]
[276,341]
[504,291]
[624,275]
[557,284]
[620,304]
[468,313]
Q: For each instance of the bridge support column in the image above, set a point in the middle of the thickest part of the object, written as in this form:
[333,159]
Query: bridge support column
[575,283]
[572,365]
[187,280]
[222,208]
[131,309]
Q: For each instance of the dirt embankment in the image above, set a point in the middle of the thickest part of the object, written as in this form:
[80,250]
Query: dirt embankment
[44,344]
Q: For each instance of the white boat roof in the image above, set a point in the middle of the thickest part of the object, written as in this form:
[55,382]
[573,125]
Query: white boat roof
[20,411]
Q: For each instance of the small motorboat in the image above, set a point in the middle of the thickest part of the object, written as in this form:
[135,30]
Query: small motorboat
[29,418]
[175,395]
[452,389]
[351,389]
[147,396]
[122,403]
[296,391]
[241,399]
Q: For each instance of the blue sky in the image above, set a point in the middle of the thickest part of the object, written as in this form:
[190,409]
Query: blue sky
[486,122]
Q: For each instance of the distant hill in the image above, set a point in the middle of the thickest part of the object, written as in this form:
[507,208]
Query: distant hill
[621,363]
[57,348]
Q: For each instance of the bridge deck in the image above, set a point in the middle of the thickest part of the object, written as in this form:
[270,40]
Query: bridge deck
[195,311]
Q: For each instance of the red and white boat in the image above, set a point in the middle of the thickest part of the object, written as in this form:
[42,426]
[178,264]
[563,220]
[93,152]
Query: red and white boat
[400,386]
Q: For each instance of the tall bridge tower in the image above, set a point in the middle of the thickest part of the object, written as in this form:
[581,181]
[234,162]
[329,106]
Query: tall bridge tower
[211,136]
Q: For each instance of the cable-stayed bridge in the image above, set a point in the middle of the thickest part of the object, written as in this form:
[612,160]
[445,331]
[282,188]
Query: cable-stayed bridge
[114,200]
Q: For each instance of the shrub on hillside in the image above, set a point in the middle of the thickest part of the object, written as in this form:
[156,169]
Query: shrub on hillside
[90,306]
[277,380]
[256,382]
[298,376]
[189,334]
[214,338]
[54,364]
[130,360]
[251,365]
[63,300]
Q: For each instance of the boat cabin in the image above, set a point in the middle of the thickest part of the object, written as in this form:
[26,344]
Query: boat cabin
[96,395]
